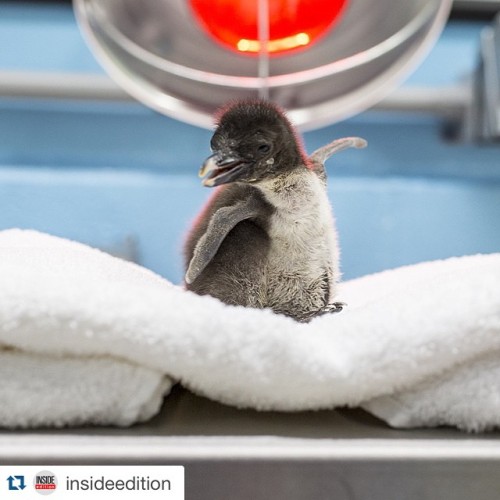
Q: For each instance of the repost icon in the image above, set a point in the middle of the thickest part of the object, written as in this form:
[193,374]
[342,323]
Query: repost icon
[16,483]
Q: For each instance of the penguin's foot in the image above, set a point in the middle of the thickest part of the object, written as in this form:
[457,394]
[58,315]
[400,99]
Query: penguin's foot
[334,307]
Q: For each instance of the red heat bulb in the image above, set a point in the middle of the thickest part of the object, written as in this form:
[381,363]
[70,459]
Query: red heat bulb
[292,23]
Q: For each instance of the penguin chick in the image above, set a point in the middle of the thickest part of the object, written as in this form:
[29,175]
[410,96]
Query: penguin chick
[266,238]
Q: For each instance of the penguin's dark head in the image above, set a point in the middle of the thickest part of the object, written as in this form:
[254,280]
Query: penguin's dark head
[253,141]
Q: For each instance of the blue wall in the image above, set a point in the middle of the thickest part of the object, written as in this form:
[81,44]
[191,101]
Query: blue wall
[121,177]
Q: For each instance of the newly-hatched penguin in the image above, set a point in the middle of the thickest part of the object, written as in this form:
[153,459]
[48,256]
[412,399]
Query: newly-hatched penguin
[266,238]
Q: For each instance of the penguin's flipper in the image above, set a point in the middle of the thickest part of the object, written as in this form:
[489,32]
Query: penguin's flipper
[221,223]
[319,157]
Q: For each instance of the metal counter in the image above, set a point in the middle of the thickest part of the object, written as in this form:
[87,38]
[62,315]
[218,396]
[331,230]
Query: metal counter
[230,453]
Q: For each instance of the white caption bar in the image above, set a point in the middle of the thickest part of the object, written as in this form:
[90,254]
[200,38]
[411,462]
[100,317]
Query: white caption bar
[55,482]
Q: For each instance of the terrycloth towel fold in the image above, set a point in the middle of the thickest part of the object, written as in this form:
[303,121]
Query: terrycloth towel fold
[418,345]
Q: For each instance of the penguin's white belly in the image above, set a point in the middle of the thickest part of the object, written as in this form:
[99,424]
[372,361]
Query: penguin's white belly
[302,262]
[301,243]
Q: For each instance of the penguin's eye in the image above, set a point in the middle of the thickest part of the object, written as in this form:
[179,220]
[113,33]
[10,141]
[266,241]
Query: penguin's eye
[215,141]
[264,148]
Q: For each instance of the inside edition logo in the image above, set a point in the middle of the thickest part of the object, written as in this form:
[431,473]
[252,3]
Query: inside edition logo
[45,482]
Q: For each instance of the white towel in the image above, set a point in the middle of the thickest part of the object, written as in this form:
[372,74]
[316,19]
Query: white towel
[417,346]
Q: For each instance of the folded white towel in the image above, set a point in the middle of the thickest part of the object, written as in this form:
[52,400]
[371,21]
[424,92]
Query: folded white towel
[51,390]
[54,292]
[417,345]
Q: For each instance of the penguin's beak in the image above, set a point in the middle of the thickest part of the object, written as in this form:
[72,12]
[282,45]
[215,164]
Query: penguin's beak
[221,168]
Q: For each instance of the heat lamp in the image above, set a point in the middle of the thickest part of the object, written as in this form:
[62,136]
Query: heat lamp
[323,60]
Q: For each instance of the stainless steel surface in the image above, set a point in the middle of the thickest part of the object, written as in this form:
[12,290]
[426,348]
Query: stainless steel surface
[490,90]
[23,84]
[155,51]
[230,453]
[191,426]
[487,6]
[449,102]
[482,121]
